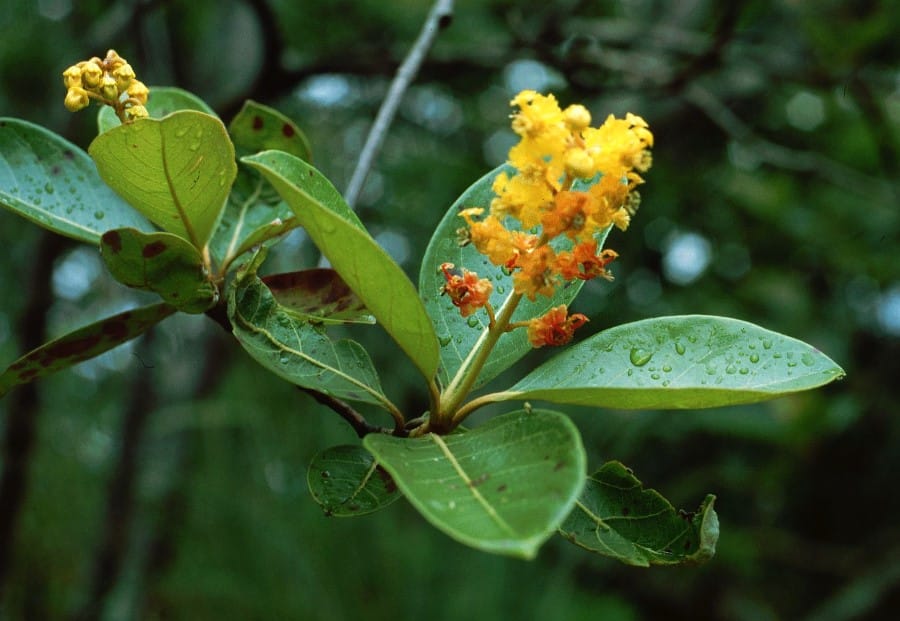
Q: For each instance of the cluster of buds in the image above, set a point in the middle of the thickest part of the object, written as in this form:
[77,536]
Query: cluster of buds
[111,81]
[558,154]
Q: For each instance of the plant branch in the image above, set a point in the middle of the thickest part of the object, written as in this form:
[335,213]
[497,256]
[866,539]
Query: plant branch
[354,418]
[439,18]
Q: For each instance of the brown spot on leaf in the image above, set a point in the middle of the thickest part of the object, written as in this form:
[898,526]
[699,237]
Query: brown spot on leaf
[389,486]
[257,123]
[153,249]
[27,376]
[69,154]
[626,511]
[74,348]
[501,488]
[115,330]
[287,130]
[113,240]
[21,364]
[559,466]
[55,170]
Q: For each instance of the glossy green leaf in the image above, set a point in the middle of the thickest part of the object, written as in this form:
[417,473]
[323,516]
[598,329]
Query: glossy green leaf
[347,481]
[82,344]
[366,268]
[318,296]
[259,128]
[690,361]
[160,262]
[254,215]
[299,351]
[163,100]
[177,171]
[458,335]
[53,183]
[503,487]
[615,516]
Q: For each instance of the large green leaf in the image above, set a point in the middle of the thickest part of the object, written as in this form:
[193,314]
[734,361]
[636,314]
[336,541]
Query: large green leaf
[617,517]
[82,344]
[259,128]
[177,170]
[366,268]
[163,100]
[53,183]
[459,336]
[297,350]
[347,481]
[691,361]
[160,262]
[503,487]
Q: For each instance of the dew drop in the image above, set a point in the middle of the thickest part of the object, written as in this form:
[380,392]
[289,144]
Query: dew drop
[181,132]
[692,339]
[679,348]
[48,188]
[99,214]
[639,357]
[791,363]
[655,376]
[194,146]
[630,372]
[472,321]
[744,371]
[767,344]
[666,383]
[807,359]
[731,369]
[501,289]
[754,358]
[444,341]
[284,358]
[667,368]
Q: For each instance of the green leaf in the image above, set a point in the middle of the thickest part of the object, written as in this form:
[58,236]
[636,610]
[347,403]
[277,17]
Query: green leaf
[177,171]
[366,268]
[53,183]
[318,296]
[254,215]
[160,262]
[259,128]
[82,344]
[617,517]
[297,350]
[347,481]
[503,487]
[691,361]
[163,100]
[458,336]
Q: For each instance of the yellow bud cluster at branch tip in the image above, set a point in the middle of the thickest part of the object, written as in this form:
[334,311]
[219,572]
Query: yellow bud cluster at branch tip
[111,81]
[571,181]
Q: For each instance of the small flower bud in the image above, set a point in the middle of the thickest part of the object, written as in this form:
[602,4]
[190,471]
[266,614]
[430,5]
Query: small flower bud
[136,112]
[72,76]
[579,164]
[113,61]
[138,91]
[76,99]
[91,74]
[577,117]
[108,88]
[124,76]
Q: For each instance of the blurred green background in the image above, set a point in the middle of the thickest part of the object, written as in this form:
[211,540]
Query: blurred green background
[166,479]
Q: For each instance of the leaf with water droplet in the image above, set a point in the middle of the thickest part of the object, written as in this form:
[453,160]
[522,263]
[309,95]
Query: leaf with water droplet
[346,481]
[715,341]
[160,175]
[35,163]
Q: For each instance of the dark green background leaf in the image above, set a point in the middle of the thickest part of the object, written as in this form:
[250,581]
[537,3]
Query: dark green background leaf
[53,183]
[503,487]
[82,344]
[688,361]
[615,516]
[160,262]
[346,481]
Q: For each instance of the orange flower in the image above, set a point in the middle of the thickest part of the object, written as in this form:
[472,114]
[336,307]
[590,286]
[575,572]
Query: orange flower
[536,273]
[466,290]
[555,327]
[584,263]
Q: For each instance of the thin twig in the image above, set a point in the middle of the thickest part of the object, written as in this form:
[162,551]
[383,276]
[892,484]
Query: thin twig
[439,18]
[360,425]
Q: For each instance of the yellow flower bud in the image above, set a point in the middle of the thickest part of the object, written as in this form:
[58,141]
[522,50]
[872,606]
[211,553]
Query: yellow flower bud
[579,164]
[76,99]
[91,74]
[113,60]
[72,76]
[138,91]
[108,88]
[577,117]
[136,112]
[124,75]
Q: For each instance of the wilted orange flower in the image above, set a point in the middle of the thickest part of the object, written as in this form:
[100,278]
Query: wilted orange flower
[555,327]
[466,290]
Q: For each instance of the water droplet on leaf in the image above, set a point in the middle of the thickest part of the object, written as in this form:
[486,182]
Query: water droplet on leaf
[99,214]
[807,359]
[754,358]
[639,357]
[444,340]
[679,348]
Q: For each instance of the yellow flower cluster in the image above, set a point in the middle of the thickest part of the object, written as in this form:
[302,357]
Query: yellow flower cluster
[111,81]
[557,148]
